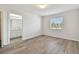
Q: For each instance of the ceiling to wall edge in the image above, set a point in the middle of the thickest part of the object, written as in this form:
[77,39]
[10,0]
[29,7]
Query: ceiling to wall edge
[60,12]
[20,11]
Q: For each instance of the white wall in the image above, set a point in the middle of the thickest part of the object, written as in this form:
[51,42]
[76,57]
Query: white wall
[71,25]
[31,25]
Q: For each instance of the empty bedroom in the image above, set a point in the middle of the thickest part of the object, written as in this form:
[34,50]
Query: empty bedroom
[39,28]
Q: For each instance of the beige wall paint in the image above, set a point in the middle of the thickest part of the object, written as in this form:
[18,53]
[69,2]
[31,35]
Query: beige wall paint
[71,25]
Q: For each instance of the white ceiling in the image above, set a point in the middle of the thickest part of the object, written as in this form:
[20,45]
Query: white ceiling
[51,9]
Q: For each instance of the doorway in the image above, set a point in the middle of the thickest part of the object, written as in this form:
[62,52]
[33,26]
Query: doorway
[15,28]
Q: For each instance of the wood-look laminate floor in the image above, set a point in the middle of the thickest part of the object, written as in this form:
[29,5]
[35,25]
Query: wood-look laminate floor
[42,45]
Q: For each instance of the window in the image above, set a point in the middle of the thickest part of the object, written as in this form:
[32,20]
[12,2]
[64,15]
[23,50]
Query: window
[56,23]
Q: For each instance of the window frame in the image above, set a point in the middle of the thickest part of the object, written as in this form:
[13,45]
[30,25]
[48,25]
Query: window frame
[62,24]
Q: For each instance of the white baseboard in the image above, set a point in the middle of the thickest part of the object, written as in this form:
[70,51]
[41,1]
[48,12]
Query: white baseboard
[31,37]
[64,38]
[51,36]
